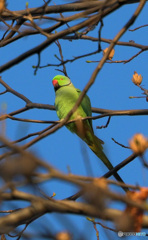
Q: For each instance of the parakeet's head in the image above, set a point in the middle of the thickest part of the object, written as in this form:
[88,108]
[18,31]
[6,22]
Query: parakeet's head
[60,81]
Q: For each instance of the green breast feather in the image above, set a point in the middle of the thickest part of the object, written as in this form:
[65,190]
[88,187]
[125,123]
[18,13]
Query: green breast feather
[66,98]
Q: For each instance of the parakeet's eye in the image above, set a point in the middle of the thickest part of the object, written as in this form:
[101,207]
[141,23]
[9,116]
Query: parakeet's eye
[61,78]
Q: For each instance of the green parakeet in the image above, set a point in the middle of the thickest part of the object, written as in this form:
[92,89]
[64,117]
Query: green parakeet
[66,97]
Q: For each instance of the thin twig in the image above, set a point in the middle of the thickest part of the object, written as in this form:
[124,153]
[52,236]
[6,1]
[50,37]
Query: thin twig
[120,165]
[120,144]
[62,58]
[106,125]
[145,25]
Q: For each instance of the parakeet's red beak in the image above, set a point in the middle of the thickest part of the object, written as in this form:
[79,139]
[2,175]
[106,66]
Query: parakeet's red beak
[55,83]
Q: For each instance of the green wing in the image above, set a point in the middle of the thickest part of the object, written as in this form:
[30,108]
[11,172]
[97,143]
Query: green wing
[86,105]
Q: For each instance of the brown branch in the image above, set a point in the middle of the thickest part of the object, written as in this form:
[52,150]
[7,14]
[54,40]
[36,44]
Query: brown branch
[3,92]
[104,112]
[64,121]
[71,7]
[19,235]
[102,225]
[130,59]
[92,20]
[121,61]
[99,35]
[40,206]
[34,25]
[62,59]
[24,138]
[120,144]
[130,112]
[97,232]
[61,22]
[106,125]
[137,28]
[8,26]
[29,33]
[14,30]
[5,116]
[70,60]
[46,43]
[39,61]
[120,165]
[112,44]
[21,110]
[120,43]
[9,89]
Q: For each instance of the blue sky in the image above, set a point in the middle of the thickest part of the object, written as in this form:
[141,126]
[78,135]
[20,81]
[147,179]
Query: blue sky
[111,90]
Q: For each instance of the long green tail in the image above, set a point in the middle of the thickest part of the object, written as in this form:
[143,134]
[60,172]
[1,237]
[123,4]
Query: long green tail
[97,148]
[95,144]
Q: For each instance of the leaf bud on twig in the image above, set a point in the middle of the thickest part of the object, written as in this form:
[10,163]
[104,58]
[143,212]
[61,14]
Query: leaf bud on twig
[138,144]
[111,53]
[137,78]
